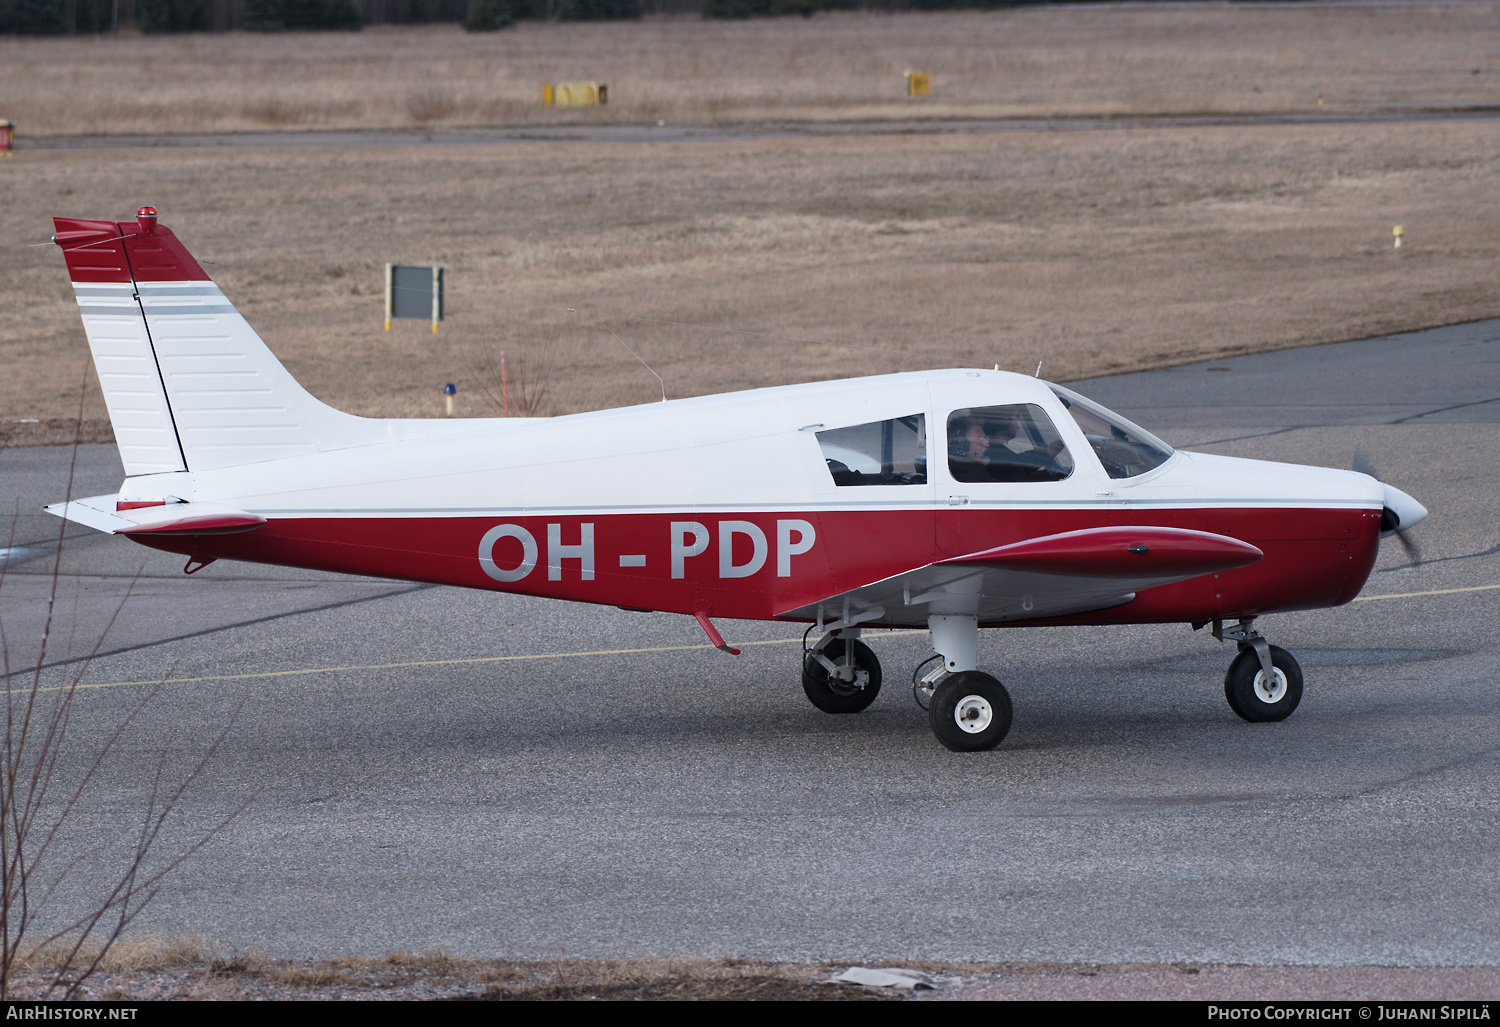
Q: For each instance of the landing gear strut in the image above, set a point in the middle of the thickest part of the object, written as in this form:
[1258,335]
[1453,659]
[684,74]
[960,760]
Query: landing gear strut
[968,710]
[1264,682]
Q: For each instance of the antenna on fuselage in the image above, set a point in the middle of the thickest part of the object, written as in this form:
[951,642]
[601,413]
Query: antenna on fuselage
[633,353]
[1038,370]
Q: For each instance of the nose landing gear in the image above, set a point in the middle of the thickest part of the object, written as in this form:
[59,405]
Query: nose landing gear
[1264,682]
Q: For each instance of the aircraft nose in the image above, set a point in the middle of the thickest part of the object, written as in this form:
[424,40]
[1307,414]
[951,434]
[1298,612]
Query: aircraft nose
[1408,511]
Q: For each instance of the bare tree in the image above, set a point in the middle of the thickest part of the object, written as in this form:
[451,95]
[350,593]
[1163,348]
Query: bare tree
[516,380]
[42,789]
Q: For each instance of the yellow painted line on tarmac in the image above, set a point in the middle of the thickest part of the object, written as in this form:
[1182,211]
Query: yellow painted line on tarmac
[423,663]
[577,655]
[1434,592]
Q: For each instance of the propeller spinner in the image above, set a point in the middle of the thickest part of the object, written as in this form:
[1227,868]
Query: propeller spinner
[1402,512]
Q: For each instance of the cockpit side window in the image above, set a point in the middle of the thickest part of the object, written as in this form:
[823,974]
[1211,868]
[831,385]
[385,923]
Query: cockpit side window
[1013,443]
[1124,449]
[890,452]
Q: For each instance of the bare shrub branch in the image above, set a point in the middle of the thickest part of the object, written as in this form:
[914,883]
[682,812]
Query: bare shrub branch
[523,382]
[37,801]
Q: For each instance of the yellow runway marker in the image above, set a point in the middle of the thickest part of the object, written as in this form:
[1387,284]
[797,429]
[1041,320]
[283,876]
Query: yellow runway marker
[424,663]
[1434,592]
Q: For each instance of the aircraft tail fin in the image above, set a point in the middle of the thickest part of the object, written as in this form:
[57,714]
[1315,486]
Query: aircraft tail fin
[188,383]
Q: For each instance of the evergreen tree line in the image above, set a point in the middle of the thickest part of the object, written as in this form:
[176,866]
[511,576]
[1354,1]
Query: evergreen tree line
[807,8]
[58,17]
[54,17]
[489,15]
[275,15]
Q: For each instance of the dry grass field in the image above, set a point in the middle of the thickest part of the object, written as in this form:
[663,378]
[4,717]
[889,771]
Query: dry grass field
[1093,251]
[1149,59]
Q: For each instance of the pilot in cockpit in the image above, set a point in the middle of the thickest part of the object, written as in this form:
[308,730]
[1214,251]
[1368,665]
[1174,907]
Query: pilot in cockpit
[975,442]
[994,439]
[994,444]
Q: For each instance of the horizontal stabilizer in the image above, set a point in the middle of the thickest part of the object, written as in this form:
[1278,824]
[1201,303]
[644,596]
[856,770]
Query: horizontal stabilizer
[103,513]
[97,512]
[1135,553]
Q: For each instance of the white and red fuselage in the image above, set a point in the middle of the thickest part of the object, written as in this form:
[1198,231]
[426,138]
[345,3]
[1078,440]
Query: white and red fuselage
[718,505]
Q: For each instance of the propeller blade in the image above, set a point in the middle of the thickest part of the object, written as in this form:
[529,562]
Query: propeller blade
[1362,465]
[1411,548]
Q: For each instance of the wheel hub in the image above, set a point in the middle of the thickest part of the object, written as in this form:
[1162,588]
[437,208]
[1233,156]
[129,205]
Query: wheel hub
[848,680]
[1271,692]
[973,714]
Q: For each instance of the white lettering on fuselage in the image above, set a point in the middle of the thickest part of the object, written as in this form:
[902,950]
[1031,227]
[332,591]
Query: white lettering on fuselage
[487,552]
[682,549]
[557,552]
[687,539]
[786,548]
[727,531]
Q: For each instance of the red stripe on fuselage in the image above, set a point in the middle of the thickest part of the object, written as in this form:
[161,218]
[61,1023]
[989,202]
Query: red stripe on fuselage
[1313,557]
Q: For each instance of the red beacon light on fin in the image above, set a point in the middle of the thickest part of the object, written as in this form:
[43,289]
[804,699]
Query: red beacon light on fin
[146,218]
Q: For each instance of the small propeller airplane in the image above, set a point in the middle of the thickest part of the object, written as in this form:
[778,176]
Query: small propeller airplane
[950,500]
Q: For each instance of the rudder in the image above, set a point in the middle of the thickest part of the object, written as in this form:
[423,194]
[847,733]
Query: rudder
[188,383]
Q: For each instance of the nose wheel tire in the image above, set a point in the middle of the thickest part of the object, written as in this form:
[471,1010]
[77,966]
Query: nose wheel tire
[970,712]
[1256,698]
[848,689]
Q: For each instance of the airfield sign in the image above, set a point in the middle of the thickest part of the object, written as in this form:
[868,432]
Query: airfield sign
[413,291]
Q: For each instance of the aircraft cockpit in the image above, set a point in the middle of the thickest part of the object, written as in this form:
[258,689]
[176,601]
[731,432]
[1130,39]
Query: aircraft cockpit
[1124,449]
[1008,443]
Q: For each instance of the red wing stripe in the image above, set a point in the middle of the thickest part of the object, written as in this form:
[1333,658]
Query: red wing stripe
[1121,552]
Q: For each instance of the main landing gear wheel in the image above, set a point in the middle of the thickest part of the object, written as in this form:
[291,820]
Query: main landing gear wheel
[970,712]
[1255,698]
[851,686]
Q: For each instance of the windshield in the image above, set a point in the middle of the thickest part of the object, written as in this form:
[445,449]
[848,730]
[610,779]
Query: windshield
[1124,449]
